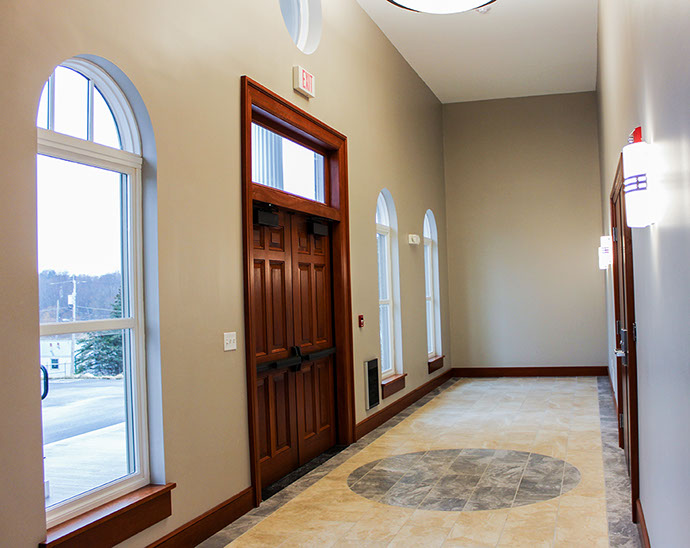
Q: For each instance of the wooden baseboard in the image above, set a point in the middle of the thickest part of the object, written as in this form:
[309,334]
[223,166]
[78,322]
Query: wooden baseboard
[642,525]
[209,523]
[564,371]
[377,419]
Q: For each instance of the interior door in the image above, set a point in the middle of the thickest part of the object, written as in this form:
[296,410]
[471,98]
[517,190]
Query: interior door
[622,320]
[626,349]
[294,349]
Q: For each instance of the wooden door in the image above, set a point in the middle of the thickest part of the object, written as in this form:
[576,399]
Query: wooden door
[622,320]
[625,331]
[313,327]
[293,323]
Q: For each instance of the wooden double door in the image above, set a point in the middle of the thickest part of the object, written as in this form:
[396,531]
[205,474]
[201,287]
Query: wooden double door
[292,302]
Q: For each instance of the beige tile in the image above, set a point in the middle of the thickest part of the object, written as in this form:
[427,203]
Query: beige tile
[253,539]
[478,528]
[419,535]
[434,519]
[530,526]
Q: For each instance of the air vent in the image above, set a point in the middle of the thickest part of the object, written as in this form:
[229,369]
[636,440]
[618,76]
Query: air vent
[371,372]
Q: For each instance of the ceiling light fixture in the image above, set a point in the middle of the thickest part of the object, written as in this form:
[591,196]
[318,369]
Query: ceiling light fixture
[441,6]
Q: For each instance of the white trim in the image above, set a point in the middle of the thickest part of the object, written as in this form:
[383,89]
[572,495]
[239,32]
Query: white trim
[58,145]
[90,326]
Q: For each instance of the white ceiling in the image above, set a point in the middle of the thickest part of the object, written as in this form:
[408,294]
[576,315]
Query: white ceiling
[519,48]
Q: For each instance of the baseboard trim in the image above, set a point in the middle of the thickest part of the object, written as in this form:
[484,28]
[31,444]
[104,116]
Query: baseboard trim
[377,419]
[564,371]
[209,523]
[642,525]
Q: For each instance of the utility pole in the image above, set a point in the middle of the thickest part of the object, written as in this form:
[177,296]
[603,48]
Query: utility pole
[72,299]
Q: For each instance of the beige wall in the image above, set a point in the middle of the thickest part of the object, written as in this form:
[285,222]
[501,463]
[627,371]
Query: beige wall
[186,59]
[523,230]
[644,80]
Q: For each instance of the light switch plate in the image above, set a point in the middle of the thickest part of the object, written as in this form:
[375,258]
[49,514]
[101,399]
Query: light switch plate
[229,341]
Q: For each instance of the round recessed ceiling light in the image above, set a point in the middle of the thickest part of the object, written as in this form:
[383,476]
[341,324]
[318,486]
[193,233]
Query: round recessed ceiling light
[441,6]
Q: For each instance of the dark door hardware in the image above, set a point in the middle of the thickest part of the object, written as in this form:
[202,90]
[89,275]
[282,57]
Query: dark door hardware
[295,361]
[264,217]
[319,354]
[44,391]
[317,228]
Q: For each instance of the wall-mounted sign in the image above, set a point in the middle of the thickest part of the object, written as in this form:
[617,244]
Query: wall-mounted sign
[605,253]
[303,82]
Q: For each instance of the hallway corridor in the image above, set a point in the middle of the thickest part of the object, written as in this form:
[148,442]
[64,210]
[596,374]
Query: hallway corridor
[478,462]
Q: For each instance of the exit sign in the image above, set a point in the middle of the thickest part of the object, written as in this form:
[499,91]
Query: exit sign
[303,82]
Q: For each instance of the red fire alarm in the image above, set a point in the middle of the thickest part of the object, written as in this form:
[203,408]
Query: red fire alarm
[361,320]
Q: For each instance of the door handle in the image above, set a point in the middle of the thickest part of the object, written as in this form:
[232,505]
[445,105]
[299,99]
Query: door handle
[44,391]
[619,353]
[320,354]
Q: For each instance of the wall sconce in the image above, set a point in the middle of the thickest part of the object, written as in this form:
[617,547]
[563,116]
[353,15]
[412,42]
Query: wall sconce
[414,239]
[605,253]
[639,207]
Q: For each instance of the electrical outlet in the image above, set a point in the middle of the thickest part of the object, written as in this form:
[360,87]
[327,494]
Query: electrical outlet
[229,341]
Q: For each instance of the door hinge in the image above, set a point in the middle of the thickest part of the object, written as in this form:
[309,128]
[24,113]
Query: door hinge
[615,234]
[635,331]
[620,420]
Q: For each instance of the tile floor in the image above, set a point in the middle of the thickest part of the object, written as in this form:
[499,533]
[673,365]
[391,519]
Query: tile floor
[478,462]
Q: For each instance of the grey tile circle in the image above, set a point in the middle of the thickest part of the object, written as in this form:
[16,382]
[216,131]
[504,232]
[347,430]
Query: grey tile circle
[466,480]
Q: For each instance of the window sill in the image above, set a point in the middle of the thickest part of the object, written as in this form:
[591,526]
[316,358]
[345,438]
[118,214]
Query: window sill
[392,384]
[435,363]
[115,521]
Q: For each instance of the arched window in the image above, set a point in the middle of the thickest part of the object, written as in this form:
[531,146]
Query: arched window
[90,290]
[431,279]
[389,291]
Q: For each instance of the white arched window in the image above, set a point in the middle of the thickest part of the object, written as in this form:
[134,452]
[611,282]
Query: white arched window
[389,292]
[90,291]
[431,282]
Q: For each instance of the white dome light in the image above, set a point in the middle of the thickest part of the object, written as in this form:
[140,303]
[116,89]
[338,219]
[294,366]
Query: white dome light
[441,6]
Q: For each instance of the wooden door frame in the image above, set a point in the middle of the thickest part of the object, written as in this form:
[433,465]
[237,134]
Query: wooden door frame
[626,234]
[261,105]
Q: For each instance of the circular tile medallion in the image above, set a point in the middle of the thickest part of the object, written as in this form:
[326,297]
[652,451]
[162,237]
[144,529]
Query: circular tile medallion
[466,480]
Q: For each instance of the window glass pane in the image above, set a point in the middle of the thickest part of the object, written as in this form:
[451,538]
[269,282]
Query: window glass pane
[291,15]
[430,326]
[382,250]
[104,127]
[382,211]
[71,103]
[385,334]
[85,434]
[80,241]
[42,118]
[427,227]
[283,164]
[428,270]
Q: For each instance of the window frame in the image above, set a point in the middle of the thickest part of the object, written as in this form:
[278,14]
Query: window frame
[385,226]
[431,284]
[385,231]
[129,163]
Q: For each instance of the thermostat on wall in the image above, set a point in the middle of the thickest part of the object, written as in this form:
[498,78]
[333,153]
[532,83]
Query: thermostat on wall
[303,82]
